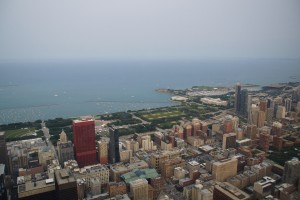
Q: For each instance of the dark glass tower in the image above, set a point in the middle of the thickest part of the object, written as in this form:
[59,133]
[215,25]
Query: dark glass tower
[244,103]
[237,104]
[114,154]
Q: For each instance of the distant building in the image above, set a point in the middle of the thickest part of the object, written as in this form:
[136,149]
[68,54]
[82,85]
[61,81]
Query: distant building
[114,152]
[280,113]
[263,105]
[64,149]
[228,125]
[251,131]
[196,123]
[84,141]
[270,115]
[229,140]
[147,143]
[103,150]
[288,104]
[157,158]
[264,141]
[244,103]
[168,166]
[237,103]
[276,128]
[261,119]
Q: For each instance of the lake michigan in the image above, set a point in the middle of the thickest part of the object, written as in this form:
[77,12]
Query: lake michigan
[45,90]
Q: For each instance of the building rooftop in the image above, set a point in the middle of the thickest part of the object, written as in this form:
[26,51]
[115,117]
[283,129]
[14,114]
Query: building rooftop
[193,163]
[64,176]
[35,184]
[138,174]
[136,164]
[232,191]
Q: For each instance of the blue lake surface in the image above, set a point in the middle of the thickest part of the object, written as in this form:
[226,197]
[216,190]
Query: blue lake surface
[44,90]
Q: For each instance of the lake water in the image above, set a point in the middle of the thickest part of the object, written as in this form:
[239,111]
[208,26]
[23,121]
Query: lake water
[43,90]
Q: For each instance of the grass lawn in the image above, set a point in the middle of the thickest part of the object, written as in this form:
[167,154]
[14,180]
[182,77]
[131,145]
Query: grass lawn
[18,132]
[162,115]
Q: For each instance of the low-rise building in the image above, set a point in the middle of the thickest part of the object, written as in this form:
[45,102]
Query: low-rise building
[227,191]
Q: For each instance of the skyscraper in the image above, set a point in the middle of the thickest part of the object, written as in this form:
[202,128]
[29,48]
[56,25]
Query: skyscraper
[229,140]
[114,154]
[3,151]
[288,104]
[103,150]
[237,103]
[244,102]
[64,149]
[84,141]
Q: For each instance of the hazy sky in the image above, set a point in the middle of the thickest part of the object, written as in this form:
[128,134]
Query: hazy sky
[149,29]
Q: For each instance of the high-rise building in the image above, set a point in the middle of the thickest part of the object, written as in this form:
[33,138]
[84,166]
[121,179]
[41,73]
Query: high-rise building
[229,140]
[139,189]
[64,149]
[46,155]
[264,141]
[296,94]
[114,153]
[249,108]
[292,172]
[263,105]
[224,169]
[147,143]
[244,102]
[235,123]
[254,115]
[288,104]
[237,103]
[187,130]
[228,126]
[196,126]
[3,151]
[261,119]
[280,112]
[84,141]
[270,114]
[2,182]
[103,150]
[168,166]
[65,184]
[251,131]
[276,129]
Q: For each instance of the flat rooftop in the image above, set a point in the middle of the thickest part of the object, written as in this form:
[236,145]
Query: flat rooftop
[64,176]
